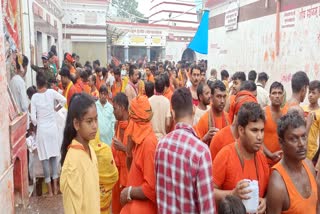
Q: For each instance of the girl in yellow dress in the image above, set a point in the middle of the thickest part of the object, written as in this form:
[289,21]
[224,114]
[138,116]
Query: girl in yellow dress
[79,181]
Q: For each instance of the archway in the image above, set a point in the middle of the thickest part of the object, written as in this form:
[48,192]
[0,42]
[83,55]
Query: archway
[188,55]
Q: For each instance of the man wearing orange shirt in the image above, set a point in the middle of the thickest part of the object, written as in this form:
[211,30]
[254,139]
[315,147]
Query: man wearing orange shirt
[117,85]
[172,78]
[215,119]
[92,83]
[139,196]
[78,82]
[85,80]
[271,146]
[224,137]
[69,61]
[229,134]
[167,90]
[247,93]
[119,147]
[243,159]
[150,77]
[98,77]
[293,184]
[69,89]
[237,80]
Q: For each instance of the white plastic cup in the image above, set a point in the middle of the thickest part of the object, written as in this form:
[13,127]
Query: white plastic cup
[252,204]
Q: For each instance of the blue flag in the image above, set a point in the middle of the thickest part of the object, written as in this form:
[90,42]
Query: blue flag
[199,42]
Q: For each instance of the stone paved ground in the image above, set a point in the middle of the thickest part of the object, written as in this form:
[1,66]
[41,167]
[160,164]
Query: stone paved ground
[43,205]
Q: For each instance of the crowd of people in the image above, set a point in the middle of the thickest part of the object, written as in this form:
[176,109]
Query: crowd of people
[165,138]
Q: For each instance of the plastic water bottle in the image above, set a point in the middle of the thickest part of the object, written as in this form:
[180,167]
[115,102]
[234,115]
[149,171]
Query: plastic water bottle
[252,204]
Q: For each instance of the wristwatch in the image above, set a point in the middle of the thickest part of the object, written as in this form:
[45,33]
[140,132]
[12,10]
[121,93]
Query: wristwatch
[129,193]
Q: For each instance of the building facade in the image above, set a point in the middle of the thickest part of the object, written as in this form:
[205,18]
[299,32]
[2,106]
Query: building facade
[92,33]
[150,42]
[174,13]
[23,24]
[41,27]
[84,29]
[277,37]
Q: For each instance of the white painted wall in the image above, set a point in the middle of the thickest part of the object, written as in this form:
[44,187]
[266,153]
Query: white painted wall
[44,44]
[252,46]
[174,50]
[28,36]
[6,170]
[75,13]
[66,46]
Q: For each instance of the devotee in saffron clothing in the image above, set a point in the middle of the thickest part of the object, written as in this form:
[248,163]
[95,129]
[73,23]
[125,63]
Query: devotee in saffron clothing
[221,139]
[209,120]
[271,139]
[119,148]
[141,178]
[227,169]
[241,97]
[293,183]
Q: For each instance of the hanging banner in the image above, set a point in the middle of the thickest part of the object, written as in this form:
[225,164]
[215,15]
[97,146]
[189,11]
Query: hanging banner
[199,42]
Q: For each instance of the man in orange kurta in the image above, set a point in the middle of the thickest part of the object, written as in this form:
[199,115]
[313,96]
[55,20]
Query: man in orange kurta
[150,77]
[224,137]
[168,93]
[237,80]
[85,79]
[117,85]
[243,159]
[69,89]
[98,77]
[271,143]
[215,119]
[168,90]
[247,93]
[293,183]
[228,134]
[139,196]
[78,82]
[119,148]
